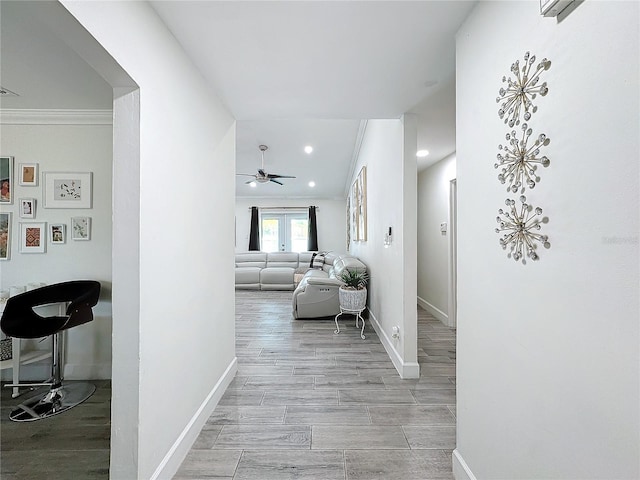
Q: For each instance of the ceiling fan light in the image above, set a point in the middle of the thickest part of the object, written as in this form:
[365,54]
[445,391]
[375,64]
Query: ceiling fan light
[253,184]
[312,184]
[308,149]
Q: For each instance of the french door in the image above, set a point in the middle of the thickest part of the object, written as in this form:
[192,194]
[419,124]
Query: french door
[284,232]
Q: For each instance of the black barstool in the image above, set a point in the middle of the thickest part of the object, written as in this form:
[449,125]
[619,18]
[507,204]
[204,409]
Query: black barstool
[19,320]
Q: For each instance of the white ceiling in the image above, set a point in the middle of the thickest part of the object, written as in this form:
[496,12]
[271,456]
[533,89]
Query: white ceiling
[276,63]
[41,69]
[292,73]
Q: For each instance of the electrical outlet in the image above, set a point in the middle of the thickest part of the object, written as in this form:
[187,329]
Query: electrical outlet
[396,332]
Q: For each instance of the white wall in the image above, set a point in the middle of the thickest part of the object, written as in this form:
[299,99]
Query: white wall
[548,352]
[392,286]
[65,148]
[185,305]
[433,246]
[330,214]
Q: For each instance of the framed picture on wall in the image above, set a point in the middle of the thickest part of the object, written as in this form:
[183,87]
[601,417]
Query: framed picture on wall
[67,190]
[353,195]
[32,237]
[6,180]
[28,174]
[348,222]
[5,235]
[361,182]
[57,233]
[27,207]
[81,228]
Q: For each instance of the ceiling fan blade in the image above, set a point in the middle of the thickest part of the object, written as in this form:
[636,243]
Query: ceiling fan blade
[249,181]
[275,181]
[261,172]
[245,174]
[273,175]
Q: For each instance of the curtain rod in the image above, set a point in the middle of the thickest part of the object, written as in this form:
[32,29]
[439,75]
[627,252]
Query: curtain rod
[284,208]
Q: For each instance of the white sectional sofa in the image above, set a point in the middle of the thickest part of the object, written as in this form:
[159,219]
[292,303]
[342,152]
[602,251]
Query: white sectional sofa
[316,295]
[269,271]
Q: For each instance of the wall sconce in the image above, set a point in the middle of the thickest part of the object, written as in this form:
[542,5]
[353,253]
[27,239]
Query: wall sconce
[387,238]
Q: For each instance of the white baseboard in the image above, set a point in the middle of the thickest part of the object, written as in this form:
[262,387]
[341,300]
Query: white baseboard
[461,470]
[405,369]
[178,451]
[435,311]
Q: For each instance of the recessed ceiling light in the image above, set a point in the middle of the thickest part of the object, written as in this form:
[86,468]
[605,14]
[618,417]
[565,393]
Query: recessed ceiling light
[422,153]
[312,184]
[253,184]
[308,149]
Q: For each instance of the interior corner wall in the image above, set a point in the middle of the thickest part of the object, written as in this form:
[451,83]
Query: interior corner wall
[186,309]
[331,217]
[383,153]
[65,148]
[433,245]
[548,353]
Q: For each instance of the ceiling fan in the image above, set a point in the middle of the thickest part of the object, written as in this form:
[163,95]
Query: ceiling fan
[262,176]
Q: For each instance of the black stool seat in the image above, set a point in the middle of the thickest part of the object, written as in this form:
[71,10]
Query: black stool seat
[20,320]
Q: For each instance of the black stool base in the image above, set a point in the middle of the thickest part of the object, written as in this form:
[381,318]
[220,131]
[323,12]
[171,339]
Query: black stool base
[55,401]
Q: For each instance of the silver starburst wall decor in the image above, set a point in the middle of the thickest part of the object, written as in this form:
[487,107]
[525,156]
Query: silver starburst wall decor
[520,226]
[521,90]
[520,158]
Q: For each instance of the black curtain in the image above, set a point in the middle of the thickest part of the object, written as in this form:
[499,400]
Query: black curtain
[312,238]
[254,233]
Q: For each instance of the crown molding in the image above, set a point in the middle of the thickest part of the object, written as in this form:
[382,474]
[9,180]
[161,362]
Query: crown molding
[55,117]
[355,156]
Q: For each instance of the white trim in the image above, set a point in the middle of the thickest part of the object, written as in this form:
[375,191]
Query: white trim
[356,154]
[55,117]
[405,369]
[433,310]
[461,470]
[452,255]
[178,451]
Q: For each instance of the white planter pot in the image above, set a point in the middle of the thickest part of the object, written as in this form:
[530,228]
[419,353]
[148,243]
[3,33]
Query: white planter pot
[355,300]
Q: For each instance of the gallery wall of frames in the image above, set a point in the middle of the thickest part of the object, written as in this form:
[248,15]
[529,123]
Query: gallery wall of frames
[41,190]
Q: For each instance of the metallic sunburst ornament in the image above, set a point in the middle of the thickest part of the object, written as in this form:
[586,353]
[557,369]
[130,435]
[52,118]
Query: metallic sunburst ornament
[520,91]
[519,226]
[520,160]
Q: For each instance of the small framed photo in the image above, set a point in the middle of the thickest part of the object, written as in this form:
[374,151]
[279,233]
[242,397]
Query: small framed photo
[67,190]
[6,180]
[81,228]
[28,174]
[57,233]
[27,208]
[32,237]
[5,236]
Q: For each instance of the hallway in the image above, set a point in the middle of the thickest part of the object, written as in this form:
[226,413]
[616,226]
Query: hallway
[310,404]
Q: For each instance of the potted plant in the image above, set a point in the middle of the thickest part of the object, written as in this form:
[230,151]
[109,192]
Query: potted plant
[353,292]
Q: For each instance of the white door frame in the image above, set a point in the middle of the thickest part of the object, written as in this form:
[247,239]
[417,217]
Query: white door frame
[284,226]
[453,255]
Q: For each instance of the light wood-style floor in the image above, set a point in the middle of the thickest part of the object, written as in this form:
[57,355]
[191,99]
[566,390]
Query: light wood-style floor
[308,404]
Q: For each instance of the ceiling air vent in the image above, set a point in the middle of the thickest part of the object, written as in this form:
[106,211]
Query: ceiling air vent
[5,92]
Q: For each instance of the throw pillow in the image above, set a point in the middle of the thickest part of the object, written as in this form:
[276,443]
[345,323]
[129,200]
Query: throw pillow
[317,260]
